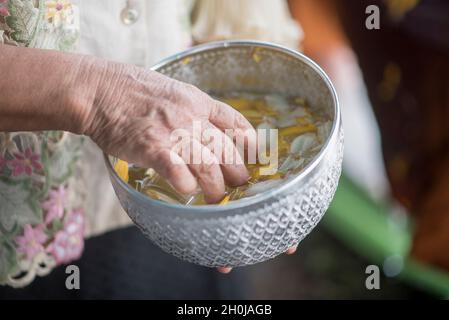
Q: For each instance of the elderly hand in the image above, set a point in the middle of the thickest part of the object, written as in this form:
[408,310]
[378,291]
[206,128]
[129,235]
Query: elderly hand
[134,111]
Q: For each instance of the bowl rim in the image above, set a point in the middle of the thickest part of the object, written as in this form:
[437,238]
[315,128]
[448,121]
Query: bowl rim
[263,196]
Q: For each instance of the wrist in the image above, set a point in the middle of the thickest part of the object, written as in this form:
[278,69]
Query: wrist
[95,88]
[80,92]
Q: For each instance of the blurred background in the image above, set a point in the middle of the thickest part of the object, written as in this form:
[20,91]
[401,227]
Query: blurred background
[391,208]
[392,205]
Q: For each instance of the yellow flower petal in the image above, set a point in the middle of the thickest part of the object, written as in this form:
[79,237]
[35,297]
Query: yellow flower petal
[121,167]
[251,114]
[256,56]
[224,201]
[304,120]
[51,4]
[275,176]
[288,131]
[185,61]
[300,101]
[238,104]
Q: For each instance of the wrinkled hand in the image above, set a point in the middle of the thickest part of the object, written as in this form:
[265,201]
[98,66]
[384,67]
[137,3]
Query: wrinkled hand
[135,111]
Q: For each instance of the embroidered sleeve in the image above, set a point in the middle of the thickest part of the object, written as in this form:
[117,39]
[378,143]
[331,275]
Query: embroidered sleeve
[41,204]
[46,24]
[41,199]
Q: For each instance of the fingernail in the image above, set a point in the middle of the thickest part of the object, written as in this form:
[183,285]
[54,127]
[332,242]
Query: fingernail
[291,250]
[224,270]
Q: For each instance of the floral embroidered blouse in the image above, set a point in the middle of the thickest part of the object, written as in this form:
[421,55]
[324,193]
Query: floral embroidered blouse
[41,212]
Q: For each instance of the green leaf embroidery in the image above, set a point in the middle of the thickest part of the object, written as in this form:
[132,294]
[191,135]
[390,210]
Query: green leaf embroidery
[18,204]
[62,161]
[8,254]
[8,260]
[23,20]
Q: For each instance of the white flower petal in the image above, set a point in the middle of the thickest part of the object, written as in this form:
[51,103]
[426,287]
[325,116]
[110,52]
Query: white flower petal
[277,102]
[290,164]
[303,143]
[324,130]
[286,121]
[299,112]
[262,186]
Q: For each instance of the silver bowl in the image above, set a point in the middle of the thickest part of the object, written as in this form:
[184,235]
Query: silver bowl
[257,228]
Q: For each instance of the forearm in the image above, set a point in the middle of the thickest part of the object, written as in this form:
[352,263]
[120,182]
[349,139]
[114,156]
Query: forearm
[45,90]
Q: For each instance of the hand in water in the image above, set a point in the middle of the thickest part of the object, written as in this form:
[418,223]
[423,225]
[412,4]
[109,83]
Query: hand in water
[134,113]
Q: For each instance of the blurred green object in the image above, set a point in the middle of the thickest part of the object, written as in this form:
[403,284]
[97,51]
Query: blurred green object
[371,230]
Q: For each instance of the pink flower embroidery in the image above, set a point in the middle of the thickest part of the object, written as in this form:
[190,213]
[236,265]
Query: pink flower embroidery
[3,1]
[31,242]
[25,163]
[55,204]
[4,11]
[69,242]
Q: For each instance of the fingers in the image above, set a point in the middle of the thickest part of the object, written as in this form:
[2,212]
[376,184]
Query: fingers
[232,164]
[200,165]
[224,270]
[208,173]
[214,168]
[225,117]
[172,167]
[291,250]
